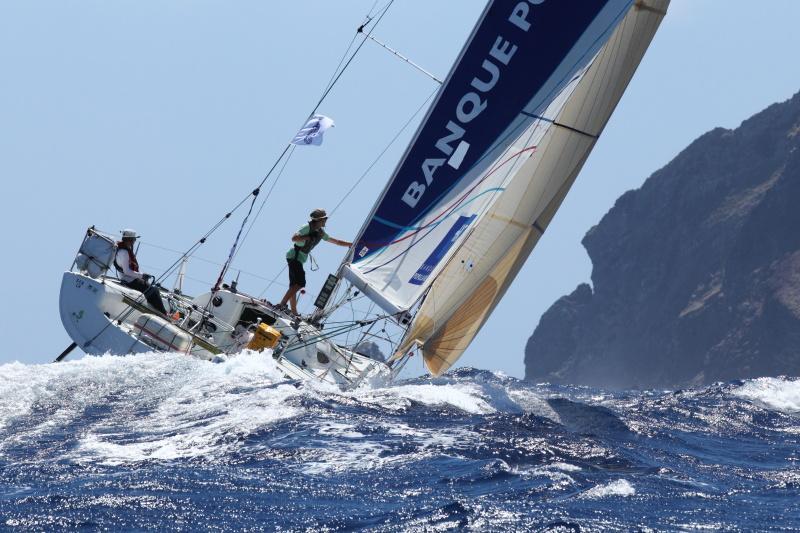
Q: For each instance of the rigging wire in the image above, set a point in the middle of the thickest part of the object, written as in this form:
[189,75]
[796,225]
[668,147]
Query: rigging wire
[196,258]
[264,201]
[386,148]
[272,282]
[353,56]
[205,282]
[404,58]
[349,326]
[225,267]
[331,83]
[255,192]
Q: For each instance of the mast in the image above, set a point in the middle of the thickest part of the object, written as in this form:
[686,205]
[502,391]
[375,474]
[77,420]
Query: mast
[178,288]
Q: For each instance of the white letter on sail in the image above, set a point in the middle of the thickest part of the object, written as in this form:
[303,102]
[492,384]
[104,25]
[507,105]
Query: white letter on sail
[413,194]
[486,86]
[443,144]
[429,166]
[458,156]
[519,15]
[476,106]
[501,52]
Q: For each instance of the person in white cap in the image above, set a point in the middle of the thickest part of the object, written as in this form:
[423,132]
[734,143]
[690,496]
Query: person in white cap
[304,241]
[128,268]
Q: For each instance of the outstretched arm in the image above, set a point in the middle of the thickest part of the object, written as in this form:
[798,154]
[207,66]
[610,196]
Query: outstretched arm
[340,243]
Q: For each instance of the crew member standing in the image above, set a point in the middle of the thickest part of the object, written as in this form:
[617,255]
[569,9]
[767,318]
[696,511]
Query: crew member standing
[304,241]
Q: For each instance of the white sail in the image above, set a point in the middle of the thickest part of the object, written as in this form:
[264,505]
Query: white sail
[471,284]
[520,64]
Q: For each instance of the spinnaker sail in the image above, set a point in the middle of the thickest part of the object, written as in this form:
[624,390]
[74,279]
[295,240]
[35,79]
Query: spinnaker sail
[493,160]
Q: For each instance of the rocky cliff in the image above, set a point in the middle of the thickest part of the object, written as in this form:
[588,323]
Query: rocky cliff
[696,275]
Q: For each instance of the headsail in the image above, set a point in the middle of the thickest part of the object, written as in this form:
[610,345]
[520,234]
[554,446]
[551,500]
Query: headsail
[520,64]
[472,283]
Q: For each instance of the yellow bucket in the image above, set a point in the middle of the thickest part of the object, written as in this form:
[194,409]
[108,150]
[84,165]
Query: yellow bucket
[265,337]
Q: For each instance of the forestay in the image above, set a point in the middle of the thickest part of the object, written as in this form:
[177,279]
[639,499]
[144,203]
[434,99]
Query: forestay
[521,63]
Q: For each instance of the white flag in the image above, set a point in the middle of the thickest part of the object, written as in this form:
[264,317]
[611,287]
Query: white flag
[312,132]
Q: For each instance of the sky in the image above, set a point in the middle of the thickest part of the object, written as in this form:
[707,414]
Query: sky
[162,115]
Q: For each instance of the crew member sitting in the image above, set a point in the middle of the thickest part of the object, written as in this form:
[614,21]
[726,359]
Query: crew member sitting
[304,241]
[128,268]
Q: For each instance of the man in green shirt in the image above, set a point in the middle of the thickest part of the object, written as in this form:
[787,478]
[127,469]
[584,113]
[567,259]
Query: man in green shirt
[304,241]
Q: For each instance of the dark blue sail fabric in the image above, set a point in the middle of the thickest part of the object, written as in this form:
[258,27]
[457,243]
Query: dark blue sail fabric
[507,66]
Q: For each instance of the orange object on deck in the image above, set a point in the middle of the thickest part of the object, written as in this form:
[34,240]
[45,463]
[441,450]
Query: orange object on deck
[264,337]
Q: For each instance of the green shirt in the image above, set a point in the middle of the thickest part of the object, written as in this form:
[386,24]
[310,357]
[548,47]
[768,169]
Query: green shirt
[301,256]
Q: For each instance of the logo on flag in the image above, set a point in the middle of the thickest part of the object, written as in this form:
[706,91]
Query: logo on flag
[312,132]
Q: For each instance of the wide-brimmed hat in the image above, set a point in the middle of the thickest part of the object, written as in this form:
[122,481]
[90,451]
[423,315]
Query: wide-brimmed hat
[129,234]
[318,214]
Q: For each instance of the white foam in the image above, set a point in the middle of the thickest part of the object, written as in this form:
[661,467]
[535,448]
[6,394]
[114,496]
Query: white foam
[352,454]
[620,487]
[465,397]
[565,467]
[151,406]
[345,431]
[347,456]
[167,406]
[772,393]
[557,473]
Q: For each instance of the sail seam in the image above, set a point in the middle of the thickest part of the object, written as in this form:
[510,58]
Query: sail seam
[559,124]
[508,220]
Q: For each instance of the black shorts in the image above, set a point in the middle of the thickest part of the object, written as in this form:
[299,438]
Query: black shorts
[297,276]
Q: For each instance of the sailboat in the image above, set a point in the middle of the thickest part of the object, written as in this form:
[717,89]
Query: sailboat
[491,162]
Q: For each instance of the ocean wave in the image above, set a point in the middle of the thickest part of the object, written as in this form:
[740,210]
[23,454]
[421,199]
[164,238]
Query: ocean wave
[236,445]
[619,487]
[148,406]
[779,394]
[116,410]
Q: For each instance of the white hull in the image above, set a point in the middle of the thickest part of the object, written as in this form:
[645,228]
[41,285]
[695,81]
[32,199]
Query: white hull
[101,315]
[83,304]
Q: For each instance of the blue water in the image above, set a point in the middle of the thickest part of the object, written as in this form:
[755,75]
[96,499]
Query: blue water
[169,443]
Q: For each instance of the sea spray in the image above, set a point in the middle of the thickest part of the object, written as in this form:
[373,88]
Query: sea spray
[168,442]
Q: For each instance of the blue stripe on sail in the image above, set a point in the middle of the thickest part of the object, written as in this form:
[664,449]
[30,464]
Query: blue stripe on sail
[558,26]
[424,271]
[429,227]
[433,224]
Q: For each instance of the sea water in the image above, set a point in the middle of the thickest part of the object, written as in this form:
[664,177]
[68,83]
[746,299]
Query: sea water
[161,441]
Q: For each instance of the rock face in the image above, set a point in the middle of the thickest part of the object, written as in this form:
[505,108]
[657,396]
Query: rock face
[371,350]
[696,275]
